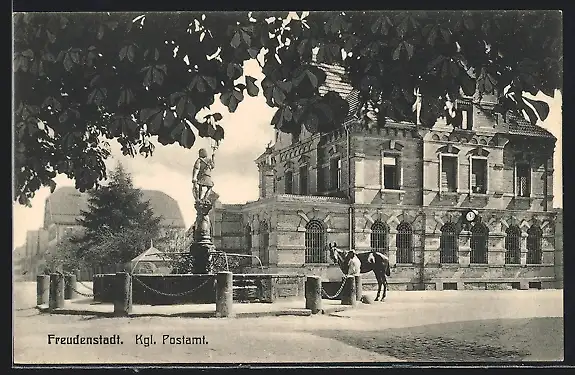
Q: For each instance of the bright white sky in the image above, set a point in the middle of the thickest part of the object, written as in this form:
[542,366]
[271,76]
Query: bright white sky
[248,131]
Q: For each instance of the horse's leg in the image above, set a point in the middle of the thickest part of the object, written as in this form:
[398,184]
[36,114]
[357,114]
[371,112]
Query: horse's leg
[384,287]
[379,283]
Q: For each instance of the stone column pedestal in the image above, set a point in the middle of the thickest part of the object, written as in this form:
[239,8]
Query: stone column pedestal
[202,245]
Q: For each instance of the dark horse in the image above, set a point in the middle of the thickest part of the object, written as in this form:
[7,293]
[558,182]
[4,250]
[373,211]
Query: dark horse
[370,261]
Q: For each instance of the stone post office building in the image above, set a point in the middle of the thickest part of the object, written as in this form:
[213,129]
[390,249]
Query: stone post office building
[405,191]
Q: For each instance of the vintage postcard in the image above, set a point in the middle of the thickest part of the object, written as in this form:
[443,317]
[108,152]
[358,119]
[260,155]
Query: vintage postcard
[277,188]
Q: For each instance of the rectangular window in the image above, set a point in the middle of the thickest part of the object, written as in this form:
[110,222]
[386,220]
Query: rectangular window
[391,173]
[335,173]
[479,176]
[449,173]
[303,180]
[289,182]
[466,119]
[523,180]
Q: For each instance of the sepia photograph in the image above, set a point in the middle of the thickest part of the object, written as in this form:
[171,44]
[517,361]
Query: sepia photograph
[279,188]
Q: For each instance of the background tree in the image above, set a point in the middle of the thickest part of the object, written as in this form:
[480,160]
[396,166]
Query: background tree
[118,225]
[130,77]
[64,255]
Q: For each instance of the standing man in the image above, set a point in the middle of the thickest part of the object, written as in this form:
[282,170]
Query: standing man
[202,175]
[354,264]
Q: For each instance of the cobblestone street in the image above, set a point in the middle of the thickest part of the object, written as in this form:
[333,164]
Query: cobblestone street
[409,326]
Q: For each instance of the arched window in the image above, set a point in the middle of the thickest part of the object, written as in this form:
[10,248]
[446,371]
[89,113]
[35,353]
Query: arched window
[479,243]
[379,234]
[534,235]
[248,238]
[448,244]
[264,251]
[315,242]
[404,243]
[513,245]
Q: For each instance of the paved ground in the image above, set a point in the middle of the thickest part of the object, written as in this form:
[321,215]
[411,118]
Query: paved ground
[412,326]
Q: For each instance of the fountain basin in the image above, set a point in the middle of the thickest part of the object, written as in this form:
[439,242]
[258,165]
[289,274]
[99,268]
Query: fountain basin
[149,289]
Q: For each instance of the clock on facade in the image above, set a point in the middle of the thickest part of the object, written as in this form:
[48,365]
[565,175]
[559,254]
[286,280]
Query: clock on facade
[470,216]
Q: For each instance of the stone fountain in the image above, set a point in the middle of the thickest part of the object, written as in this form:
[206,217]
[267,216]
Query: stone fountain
[202,246]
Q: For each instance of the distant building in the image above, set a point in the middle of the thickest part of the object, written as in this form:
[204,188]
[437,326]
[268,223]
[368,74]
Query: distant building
[406,190]
[65,205]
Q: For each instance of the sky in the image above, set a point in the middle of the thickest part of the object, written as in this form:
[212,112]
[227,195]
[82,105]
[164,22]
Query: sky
[247,132]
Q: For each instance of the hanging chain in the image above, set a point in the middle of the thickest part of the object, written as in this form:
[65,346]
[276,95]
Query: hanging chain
[324,293]
[84,285]
[170,294]
[83,294]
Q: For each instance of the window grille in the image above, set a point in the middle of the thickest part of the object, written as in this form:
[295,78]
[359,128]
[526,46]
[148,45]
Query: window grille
[315,242]
[379,233]
[523,180]
[534,237]
[479,243]
[289,182]
[513,245]
[264,251]
[449,244]
[303,180]
[404,243]
[449,173]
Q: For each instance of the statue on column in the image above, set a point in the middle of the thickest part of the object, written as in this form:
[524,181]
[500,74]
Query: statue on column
[202,190]
[202,175]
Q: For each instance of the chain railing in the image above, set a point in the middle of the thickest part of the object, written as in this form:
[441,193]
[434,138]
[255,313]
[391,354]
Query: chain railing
[84,285]
[134,277]
[88,295]
[325,294]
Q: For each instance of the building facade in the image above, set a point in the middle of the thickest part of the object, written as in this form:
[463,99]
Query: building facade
[406,190]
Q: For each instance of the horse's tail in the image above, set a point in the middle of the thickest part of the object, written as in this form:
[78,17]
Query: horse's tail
[387,269]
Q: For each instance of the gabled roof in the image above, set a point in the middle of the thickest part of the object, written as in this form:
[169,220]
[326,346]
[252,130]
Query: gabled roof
[525,128]
[66,204]
[150,255]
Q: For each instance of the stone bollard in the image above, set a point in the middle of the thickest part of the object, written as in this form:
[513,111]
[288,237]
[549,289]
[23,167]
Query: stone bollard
[122,294]
[70,287]
[313,294]
[348,296]
[56,299]
[42,289]
[224,294]
[358,288]
[96,287]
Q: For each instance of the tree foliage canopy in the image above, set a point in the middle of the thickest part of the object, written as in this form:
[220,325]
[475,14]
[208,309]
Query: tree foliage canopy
[81,77]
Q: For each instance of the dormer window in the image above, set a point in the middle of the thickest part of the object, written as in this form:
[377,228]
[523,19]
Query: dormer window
[466,118]
[461,118]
